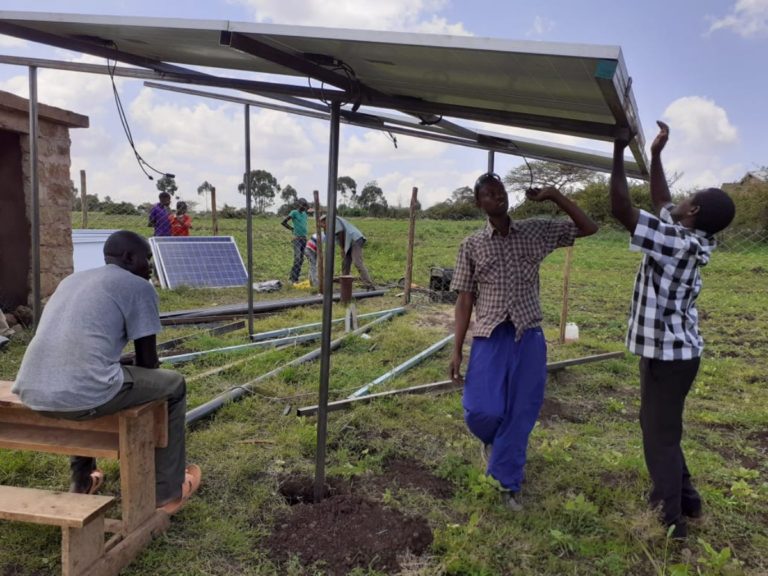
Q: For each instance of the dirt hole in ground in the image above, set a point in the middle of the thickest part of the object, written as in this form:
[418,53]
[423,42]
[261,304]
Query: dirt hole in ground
[552,410]
[344,532]
[351,528]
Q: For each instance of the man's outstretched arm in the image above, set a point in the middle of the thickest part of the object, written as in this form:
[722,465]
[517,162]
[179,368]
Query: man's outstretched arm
[621,203]
[584,224]
[660,195]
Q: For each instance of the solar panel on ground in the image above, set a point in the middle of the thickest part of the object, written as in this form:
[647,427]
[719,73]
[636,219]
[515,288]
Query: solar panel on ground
[198,261]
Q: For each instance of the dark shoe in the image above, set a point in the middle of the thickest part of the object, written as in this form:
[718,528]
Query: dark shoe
[512,501]
[679,530]
[692,509]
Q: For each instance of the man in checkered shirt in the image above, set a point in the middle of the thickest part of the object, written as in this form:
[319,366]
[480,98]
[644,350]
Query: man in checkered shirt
[663,322]
[497,272]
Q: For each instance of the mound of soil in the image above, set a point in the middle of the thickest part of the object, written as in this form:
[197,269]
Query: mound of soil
[344,532]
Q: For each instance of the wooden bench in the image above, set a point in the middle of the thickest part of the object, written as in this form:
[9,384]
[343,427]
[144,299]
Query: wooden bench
[130,436]
[81,518]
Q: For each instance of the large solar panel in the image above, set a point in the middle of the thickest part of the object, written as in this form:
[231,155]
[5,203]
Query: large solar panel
[198,261]
[577,89]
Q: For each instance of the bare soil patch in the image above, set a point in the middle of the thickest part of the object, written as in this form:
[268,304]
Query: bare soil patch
[408,474]
[553,410]
[346,531]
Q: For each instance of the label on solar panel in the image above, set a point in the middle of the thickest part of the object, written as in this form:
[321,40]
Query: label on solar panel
[198,261]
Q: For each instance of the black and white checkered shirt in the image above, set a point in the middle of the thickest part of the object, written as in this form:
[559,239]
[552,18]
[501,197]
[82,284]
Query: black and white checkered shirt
[503,271]
[663,321]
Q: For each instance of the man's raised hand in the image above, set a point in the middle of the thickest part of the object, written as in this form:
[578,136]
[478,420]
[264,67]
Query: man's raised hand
[661,138]
[541,194]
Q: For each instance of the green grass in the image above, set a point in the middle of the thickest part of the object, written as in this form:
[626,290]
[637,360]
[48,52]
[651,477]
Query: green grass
[585,510]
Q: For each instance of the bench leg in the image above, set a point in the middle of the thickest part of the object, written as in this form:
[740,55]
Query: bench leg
[81,547]
[137,469]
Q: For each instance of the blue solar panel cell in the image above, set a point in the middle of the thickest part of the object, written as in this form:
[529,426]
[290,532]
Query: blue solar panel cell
[198,262]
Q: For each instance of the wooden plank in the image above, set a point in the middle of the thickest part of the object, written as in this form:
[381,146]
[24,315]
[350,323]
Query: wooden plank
[137,469]
[23,415]
[59,440]
[51,508]
[121,554]
[81,547]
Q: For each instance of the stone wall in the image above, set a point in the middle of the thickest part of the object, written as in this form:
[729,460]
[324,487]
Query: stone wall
[55,203]
[54,184]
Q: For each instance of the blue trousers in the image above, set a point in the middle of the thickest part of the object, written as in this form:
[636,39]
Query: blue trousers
[503,393]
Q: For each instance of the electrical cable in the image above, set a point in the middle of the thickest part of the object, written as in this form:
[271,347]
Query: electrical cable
[143,164]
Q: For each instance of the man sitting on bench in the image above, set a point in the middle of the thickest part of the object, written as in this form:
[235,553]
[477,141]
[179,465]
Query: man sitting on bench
[73,368]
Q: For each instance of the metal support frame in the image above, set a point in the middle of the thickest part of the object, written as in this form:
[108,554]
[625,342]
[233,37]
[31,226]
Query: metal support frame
[405,127]
[249,216]
[490,161]
[330,248]
[34,180]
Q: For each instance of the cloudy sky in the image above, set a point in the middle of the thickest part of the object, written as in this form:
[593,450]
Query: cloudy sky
[696,65]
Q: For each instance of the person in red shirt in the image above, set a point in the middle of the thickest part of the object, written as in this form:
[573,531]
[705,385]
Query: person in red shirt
[181,222]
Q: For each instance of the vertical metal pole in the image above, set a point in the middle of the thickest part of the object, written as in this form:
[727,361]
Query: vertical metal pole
[35,191]
[409,254]
[249,216]
[491,158]
[325,347]
[83,200]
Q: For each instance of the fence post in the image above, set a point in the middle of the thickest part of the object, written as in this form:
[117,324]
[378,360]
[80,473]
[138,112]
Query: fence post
[409,256]
[319,242]
[83,200]
[214,220]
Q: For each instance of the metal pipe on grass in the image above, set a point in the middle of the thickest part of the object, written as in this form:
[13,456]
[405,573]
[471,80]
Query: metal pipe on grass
[297,339]
[288,331]
[402,367]
[236,393]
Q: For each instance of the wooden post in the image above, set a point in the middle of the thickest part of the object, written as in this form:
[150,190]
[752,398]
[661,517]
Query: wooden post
[83,200]
[214,220]
[409,256]
[566,281]
[319,242]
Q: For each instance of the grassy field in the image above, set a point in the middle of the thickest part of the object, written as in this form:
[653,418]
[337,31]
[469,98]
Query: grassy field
[585,511]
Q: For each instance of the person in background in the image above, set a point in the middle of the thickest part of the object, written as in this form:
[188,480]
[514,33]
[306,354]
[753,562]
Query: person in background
[310,251]
[159,216]
[298,226]
[73,368]
[497,274]
[663,327]
[181,221]
[351,242]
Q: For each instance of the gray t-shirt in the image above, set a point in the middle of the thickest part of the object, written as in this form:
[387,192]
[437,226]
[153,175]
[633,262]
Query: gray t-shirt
[73,362]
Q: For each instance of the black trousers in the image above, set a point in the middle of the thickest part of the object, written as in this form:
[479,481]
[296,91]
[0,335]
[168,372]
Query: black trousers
[664,384]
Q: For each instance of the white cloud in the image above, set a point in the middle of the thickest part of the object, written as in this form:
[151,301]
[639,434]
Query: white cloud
[701,135]
[403,15]
[11,42]
[541,26]
[747,18]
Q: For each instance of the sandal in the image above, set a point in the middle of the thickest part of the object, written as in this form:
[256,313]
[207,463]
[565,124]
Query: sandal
[192,478]
[95,480]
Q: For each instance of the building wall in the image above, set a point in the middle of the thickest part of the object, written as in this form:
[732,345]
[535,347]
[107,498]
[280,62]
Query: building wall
[55,200]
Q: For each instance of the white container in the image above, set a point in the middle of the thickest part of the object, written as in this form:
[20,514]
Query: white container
[571,332]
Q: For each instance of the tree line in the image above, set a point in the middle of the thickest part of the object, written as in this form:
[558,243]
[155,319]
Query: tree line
[587,188]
